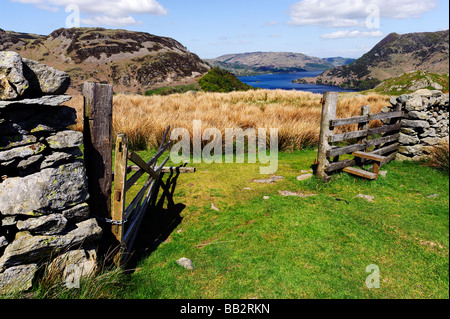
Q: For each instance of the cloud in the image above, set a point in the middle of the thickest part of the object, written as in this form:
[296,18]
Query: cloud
[105,12]
[352,13]
[352,34]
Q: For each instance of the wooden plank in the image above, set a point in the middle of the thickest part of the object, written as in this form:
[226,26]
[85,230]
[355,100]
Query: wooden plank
[120,169]
[366,118]
[382,140]
[386,149]
[360,172]
[140,162]
[340,165]
[350,120]
[369,156]
[345,150]
[328,113]
[385,116]
[347,136]
[97,118]
[385,129]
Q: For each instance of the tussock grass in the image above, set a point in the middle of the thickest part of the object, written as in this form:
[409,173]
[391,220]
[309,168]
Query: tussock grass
[296,114]
[439,157]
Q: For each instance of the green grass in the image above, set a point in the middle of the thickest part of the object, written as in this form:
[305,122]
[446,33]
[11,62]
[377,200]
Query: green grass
[292,247]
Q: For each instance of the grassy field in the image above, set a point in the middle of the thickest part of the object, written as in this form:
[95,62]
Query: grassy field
[297,247]
[296,114]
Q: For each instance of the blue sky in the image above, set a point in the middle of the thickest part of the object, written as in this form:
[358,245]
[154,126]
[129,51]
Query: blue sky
[210,28]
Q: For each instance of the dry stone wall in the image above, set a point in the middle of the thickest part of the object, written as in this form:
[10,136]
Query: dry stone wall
[43,183]
[425,123]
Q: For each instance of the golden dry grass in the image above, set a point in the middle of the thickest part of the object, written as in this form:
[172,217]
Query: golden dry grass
[296,114]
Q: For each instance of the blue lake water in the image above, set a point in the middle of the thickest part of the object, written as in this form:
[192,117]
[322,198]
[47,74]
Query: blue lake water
[284,81]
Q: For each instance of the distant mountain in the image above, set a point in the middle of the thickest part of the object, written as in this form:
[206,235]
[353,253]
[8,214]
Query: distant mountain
[268,62]
[393,56]
[131,61]
[339,61]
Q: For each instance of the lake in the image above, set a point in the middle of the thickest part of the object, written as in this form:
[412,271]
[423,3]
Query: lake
[284,81]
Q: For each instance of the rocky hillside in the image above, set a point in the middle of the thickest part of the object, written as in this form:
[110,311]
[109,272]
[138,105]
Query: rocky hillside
[132,61]
[393,56]
[243,64]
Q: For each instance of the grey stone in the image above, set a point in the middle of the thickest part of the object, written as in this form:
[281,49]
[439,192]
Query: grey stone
[431,140]
[48,100]
[408,139]
[403,98]
[401,158]
[368,198]
[8,142]
[186,263]
[30,161]
[48,190]
[58,158]
[408,131]
[304,177]
[44,79]
[413,150]
[74,265]
[65,139]
[269,180]
[296,194]
[416,115]
[3,241]
[414,103]
[17,279]
[45,225]
[13,83]
[424,92]
[8,221]
[22,152]
[415,123]
[77,213]
[28,249]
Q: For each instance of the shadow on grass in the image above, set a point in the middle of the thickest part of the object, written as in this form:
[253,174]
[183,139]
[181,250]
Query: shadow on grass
[157,225]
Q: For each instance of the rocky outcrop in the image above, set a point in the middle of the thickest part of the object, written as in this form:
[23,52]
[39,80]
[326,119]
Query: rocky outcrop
[43,182]
[425,124]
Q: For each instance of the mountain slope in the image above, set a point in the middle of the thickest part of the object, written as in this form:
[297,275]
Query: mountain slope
[132,61]
[268,62]
[393,56]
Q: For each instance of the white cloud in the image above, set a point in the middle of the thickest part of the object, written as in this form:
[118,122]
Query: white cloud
[352,13]
[105,12]
[352,34]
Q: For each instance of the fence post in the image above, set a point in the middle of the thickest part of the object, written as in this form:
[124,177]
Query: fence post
[98,102]
[120,178]
[364,126]
[329,104]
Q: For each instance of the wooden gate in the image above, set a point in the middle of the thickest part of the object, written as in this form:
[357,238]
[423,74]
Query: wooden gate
[109,205]
[126,220]
[385,144]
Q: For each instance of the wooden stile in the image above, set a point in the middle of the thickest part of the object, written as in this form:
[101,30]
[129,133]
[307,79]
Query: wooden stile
[385,146]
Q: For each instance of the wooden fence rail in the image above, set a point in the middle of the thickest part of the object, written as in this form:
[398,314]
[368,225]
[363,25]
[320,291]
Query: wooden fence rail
[379,141]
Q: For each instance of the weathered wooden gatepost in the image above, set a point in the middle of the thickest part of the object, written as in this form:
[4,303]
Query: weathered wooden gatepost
[98,107]
[329,104]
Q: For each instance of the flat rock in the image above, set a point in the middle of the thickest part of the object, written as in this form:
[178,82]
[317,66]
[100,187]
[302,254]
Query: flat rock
[296,194]
[269,180]
[49,100]
[17,279]
[51,189]
[28,249]
[366,197]
[65,139]
[304,177]
[186,263]
[44,225]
